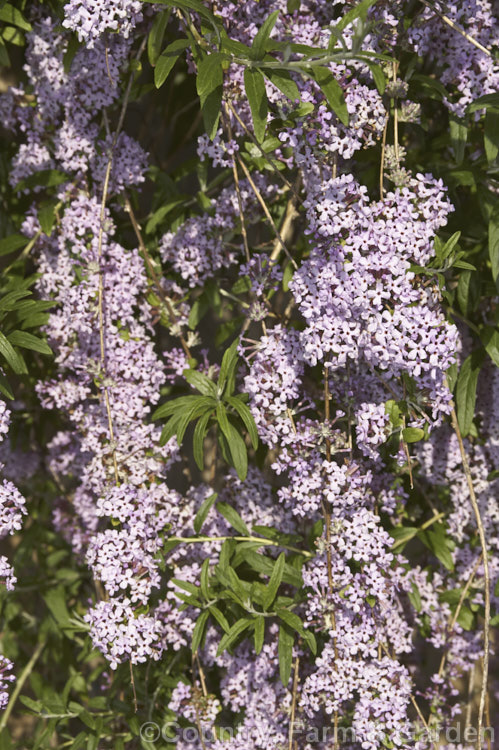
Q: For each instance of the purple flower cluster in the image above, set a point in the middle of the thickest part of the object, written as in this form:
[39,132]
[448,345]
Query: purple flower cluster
[363,327]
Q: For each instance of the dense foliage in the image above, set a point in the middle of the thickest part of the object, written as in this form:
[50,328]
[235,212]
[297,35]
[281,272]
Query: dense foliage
[249,347]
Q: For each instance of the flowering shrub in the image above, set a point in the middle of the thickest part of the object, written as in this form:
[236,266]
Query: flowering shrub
[248,349]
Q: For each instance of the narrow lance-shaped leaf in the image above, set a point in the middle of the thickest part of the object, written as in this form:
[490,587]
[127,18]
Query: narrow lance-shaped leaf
[275,581]
[257,50]
[285,651]
[228,367]
[254,83]
[200,382]
[494,243]
[231,637]
[209,84]
[238,452]
[283,81]
[198,632]
[332,91]
[156,35]
[466,391]
[198,439]
[167,59]
[28,341]
[203,511]
[232,516]
[14,360]
[246,417]
[259,633]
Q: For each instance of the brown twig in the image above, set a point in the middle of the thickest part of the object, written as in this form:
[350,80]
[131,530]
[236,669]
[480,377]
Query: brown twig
[239,199]
[483,543]
[100,302]
[327,521]
[265,209]
[395,66]
[454,25]
[382,160]
[259,147]
[293,703]
[132,681]
[287,225]
[453,619]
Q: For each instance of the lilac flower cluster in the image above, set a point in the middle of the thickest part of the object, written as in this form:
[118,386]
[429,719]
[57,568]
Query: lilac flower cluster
[12,506]
[470,70]
[363,327]
[5,680]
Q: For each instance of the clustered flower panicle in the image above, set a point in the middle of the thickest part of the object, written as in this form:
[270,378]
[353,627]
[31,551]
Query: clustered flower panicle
[362,319]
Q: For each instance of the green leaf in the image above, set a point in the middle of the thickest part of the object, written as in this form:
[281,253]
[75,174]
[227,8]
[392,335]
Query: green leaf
[167,59]
[254,83]
[186,586]
[491,136]
[201,382]
[72,48]
[402,535]
[219,617]
[466,618]
[170,429]
[490,339]
[203,405]
[203,511]
[232,516]
[209,84]
[198,439]
[13,36]
[263,564]
[44,178]
[259,634]
[46,217]
[466,391]
[458,137]
[257,50]
[379,77]
[204,578]
[293,621]
[195,5]
[484,102]
[238,452]
[4,62]
[228,368]
[223,421]
[275,581]
[449,245]
[55,599]
[494,243]
[174,406]
[358,11]
[28,341]
[5,387]
[437,541]
[12,243]
[285,651]
[332,91]
[415,597]
[198,632]
[14,360]
[10,14]
[231,637]
[283,81]
[412,434]
[246,416]
[156,35]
